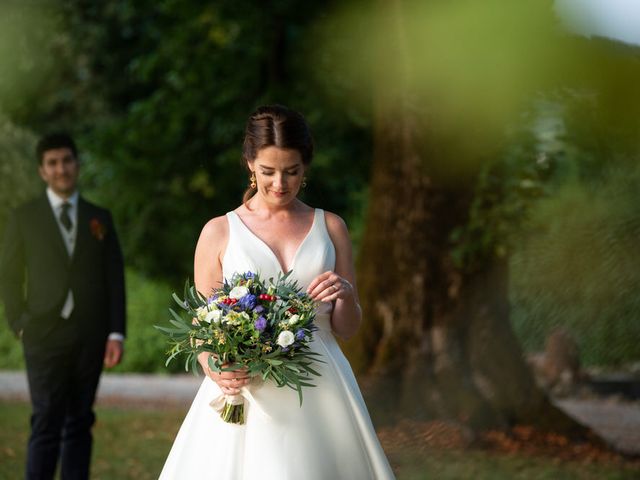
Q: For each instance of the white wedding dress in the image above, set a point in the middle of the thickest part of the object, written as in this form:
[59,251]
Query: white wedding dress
[330,437]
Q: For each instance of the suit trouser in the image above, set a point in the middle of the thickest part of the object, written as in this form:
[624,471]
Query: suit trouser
[63,378]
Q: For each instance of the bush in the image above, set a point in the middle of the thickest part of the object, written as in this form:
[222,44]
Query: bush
[19,178]
[10,347]
[148,302]
[578,266]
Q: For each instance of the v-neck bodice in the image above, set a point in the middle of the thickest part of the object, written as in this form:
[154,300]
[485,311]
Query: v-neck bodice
[247,252]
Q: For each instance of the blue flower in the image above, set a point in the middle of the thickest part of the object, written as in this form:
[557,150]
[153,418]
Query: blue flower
[248,275]
[259,309]
[260,323]
[248,302]
[300,334]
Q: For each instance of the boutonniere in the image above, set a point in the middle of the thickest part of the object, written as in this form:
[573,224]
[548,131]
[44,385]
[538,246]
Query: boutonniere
[98,230]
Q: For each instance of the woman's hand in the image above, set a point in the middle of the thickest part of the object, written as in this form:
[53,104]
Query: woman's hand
[329,286]
[229,382]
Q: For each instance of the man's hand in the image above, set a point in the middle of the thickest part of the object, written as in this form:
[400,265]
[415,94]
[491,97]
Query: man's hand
[113,353]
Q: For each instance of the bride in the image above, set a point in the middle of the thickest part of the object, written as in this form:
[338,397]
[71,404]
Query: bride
[330,436]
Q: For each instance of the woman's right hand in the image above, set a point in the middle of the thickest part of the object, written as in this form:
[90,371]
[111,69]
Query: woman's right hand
[229,382]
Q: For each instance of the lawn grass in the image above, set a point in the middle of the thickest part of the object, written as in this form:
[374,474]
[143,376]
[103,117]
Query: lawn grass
[128,443]
[132,443]
[438,464]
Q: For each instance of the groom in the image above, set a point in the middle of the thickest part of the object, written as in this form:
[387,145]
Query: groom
[62,283]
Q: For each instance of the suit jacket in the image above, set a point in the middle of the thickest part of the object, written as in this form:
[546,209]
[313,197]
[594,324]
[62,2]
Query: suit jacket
[36,272]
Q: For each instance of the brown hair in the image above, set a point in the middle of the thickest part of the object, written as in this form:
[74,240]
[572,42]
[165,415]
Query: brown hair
[275,126]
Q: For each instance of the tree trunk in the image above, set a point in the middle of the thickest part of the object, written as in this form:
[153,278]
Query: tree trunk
[437,341]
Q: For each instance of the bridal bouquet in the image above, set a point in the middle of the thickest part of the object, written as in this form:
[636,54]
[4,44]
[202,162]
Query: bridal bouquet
[263,326]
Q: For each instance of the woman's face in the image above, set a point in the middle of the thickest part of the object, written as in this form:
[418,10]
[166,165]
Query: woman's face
[279,173]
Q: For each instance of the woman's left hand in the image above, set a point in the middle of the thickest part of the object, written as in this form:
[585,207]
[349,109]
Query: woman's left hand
[329,286]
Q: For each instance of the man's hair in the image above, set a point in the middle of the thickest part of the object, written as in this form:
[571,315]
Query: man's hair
[55,140]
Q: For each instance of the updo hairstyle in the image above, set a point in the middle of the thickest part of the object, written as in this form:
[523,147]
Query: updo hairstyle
[276,126]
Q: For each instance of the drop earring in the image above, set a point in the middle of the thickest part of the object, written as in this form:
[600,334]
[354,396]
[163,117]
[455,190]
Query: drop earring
[252,179]
[304,182]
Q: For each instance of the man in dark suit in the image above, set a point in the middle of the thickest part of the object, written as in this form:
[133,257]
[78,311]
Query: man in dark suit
[62,283]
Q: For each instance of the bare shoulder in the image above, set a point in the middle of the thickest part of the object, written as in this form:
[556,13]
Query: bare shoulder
[336,227]
[339,234]
[216,226]
[215,233]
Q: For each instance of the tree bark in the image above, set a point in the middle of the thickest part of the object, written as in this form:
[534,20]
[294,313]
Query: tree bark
[436,340]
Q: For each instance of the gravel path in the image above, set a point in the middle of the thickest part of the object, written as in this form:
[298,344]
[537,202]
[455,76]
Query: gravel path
[134,388]
[616,421]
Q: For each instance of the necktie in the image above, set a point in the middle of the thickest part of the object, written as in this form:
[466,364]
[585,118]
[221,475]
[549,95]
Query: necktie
[65,219]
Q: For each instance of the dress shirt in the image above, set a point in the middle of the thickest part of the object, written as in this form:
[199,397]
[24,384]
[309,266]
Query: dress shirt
[69,237]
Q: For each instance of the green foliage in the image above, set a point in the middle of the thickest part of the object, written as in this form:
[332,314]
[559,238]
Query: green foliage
[147,304]
[577,265]
[178,86]
[533,159]
[19,179]
[10,347]
[41,77]
[19,182]
[157,95]
[561,204]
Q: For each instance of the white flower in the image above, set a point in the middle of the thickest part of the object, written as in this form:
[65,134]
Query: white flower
[294,319]
[279,303]
[213,316]
[202,313]
[238,292]
[230,317]
[285,338]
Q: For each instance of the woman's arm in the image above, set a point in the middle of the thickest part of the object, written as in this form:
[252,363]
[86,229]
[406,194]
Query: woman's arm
[207,263]
[339,285]
[207,275]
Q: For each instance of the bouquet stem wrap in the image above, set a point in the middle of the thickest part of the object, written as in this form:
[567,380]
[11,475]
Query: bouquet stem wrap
[233,410]
[231,407]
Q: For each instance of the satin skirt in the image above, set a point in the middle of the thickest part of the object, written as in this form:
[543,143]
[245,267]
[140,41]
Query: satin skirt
[329,437]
